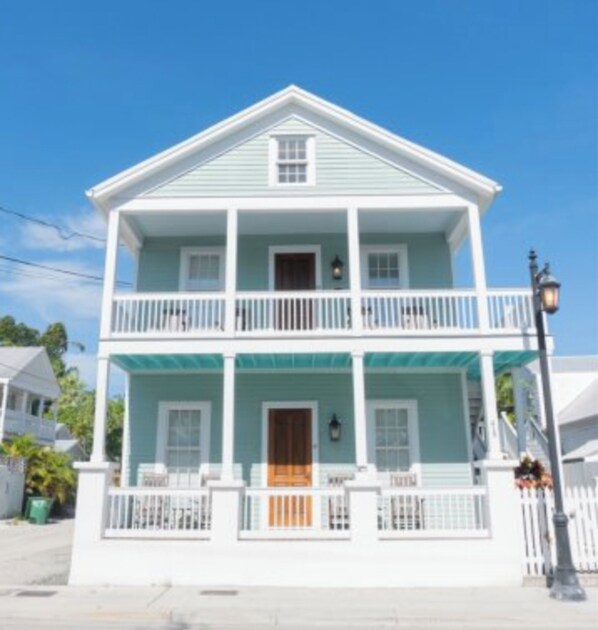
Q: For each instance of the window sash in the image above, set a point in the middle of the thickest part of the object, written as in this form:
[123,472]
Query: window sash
[392,450]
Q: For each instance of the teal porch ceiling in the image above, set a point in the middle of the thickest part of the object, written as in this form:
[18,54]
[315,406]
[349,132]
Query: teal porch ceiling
[503,361]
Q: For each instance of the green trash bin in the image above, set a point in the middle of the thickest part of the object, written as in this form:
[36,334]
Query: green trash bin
[38,510]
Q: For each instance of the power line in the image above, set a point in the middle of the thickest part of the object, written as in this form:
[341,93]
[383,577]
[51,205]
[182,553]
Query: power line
[63,233]
[32,274]
[67,272]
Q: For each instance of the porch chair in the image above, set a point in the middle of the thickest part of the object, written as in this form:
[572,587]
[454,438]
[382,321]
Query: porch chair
[338,513]
[406,510]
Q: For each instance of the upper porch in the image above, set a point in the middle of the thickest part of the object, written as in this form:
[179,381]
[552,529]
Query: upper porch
[304,268]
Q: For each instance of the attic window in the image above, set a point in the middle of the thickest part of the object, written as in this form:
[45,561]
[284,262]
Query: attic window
[292,161]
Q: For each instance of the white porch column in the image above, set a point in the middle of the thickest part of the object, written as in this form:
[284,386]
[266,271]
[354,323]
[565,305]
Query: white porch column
[228,419]
[126,441]
[521,409]
[40,409]
[489,402]
[231,270]
[359,415]
[354,269]
[478,267]
[109,273]
[3,407]
[98,453]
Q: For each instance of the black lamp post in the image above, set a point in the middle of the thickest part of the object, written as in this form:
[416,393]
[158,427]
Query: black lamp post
[545,289]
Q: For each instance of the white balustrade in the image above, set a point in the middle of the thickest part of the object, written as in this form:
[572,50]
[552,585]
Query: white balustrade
[323,313]
[433,512]
[295,513]
[21,423]
[158,513]
[510,309]
[419,311]
[168,313]
[292,312]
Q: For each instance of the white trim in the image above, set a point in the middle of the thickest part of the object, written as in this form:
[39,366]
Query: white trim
[205,407]
[465,395]
[294,249]
[312,405]
[395,248]
[413,423]
[125,458]
[186,252]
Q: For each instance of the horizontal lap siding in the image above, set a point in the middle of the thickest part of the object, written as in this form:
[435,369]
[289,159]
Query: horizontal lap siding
[340,169]
[159,259]
[443,441]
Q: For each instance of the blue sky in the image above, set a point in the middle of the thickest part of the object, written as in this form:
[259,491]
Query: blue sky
[508,88]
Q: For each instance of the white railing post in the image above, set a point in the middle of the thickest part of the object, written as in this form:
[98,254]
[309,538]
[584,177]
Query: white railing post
[98,453]
[109,274]
[231,270]
[489,403]
[226,501]
[354,269]
[477,260]
[228,419]
[92,501]
[3,407]
[363,496]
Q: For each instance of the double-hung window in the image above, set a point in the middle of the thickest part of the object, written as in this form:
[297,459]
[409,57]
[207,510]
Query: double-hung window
[384,267]
[202,269]
[292,160]
[393,436]
[183,441]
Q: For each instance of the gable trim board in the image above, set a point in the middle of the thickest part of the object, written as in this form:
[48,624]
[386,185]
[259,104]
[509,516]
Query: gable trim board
[103,194]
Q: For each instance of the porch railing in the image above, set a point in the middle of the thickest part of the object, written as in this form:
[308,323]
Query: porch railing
[168,313]
[158,513]
[510,309]
[431,512]
[291,312]
[21,423]
[295,513]
[429,312]
[419,311]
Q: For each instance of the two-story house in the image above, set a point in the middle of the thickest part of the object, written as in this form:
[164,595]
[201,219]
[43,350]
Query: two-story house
[297,360]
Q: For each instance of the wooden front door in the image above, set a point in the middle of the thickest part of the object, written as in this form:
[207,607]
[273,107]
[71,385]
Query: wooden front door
[295,272]
[290,466]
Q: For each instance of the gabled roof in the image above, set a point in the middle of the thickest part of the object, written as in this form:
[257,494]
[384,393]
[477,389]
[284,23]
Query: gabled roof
[481,186]
[29,369]
[585,452]
[582,407]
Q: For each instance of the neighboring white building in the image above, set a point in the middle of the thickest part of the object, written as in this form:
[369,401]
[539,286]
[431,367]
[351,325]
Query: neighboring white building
[28,394]
[297,356]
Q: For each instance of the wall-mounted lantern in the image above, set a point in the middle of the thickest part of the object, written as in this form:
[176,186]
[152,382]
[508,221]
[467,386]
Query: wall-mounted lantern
[334,428]
[337,268]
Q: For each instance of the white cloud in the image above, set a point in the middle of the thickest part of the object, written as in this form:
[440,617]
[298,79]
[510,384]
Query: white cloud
[36,236]
[55,296]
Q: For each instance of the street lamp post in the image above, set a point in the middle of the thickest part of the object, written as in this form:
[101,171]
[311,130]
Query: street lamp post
[545,290]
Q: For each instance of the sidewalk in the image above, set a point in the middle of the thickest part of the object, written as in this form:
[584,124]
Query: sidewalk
[290,609]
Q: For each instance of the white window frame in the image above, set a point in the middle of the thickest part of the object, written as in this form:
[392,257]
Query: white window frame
[205,409]
[187,252]
[413,427]
[293,249]
[310,157]
[399,249]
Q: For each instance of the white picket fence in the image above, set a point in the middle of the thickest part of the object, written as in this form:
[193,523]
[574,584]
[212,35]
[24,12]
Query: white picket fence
[539,552]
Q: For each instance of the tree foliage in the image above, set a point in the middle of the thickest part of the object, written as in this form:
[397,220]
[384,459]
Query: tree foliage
[54,339]
[49,474]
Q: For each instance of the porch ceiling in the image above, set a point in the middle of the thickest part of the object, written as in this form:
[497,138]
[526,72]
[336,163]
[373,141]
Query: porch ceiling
[503,360]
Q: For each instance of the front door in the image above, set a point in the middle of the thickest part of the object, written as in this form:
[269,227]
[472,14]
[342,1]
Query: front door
[289,466]
[295,272]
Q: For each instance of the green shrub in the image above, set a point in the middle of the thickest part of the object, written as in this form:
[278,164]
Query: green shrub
[49,474]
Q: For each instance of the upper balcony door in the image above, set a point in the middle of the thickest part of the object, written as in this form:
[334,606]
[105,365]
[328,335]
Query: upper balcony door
[295,271]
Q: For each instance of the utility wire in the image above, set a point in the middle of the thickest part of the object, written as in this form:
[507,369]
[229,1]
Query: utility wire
[67,272]
[64,233]
[41,276]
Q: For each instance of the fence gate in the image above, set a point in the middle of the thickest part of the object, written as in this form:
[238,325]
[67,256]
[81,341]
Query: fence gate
[539,551]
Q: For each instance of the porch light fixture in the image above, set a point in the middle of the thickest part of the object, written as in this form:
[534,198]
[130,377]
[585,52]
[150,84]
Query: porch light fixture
[334,428]
[337,268]
[545,295]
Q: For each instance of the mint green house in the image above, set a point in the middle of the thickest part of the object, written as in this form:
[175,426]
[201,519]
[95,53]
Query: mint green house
[300,364]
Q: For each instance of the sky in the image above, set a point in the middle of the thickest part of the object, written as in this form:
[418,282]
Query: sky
[508,88]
